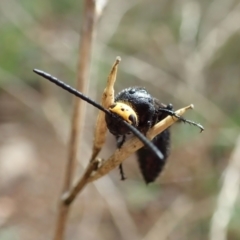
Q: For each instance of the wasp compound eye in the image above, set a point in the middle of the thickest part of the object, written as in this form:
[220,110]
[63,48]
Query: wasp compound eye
[133,119]
[125,111]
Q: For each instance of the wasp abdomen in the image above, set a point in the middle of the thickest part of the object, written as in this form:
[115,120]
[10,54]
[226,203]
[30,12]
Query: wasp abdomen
[149,164]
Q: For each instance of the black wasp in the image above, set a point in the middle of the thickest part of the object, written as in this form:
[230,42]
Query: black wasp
[144,111]
[135,111]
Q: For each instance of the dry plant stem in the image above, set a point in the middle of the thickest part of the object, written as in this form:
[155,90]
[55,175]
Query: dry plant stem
[133,144]
[107,101]
[83,68]
[92,166]
[128,148]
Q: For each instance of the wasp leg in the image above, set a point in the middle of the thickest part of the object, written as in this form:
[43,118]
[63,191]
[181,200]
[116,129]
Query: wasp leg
[120,141]
[173,114]
[122,172]
[107,101]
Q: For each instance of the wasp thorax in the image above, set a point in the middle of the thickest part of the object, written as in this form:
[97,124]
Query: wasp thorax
[125,111]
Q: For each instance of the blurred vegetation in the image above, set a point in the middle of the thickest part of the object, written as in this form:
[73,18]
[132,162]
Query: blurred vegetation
[183,52]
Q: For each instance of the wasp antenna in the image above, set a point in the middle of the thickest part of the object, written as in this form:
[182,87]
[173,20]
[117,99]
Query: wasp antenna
[144,140]
[70,89]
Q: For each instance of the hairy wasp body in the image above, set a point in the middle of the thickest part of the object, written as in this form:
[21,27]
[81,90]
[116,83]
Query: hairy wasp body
[138,105]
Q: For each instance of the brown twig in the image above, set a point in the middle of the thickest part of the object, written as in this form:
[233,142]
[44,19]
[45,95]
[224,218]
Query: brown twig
[107,100]
[92,166]
[83,69]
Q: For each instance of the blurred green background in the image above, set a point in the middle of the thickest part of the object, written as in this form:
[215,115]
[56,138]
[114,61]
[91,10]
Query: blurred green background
[183,52]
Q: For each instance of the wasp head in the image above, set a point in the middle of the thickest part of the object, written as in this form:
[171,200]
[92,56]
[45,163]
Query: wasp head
[121,110]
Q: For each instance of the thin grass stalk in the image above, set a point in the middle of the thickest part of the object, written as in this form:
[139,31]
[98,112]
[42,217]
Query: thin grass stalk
[87,32]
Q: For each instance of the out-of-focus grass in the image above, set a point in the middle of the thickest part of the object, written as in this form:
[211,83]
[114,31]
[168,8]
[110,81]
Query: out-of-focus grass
[155,54]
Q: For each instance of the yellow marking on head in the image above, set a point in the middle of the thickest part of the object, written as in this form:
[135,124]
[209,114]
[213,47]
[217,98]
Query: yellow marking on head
[125,111]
